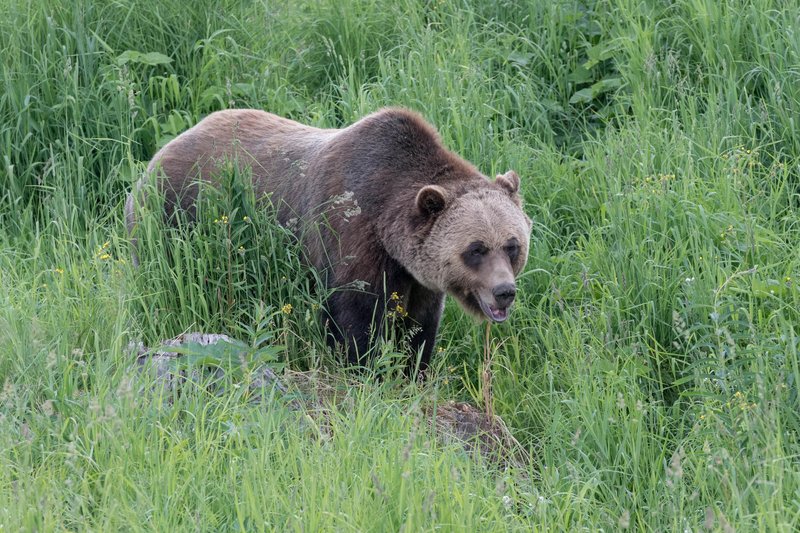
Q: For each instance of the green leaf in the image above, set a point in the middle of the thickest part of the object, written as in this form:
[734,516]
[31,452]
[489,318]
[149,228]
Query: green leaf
[264,338]
[584,96]
[580,75]
[155,58]
[520,58]
[213,95]
[267,354]
[770,288]
[605,85]
[219,351]
[599,52]
[150,58]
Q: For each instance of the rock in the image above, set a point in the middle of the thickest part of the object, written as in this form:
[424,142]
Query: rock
[165,368]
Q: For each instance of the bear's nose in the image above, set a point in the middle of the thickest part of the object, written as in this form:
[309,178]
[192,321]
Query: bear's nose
[504,294]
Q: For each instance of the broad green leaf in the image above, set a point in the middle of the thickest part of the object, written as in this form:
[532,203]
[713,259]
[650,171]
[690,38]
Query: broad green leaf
[520,58]
[150,58]
[584,96]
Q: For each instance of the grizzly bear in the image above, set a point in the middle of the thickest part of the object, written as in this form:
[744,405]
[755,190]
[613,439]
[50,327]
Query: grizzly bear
[391,218]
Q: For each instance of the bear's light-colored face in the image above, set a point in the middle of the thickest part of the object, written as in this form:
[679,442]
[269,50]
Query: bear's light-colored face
[477,247]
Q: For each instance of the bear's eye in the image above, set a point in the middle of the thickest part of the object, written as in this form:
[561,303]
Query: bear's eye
[512,249]
[478,250]
[474,253]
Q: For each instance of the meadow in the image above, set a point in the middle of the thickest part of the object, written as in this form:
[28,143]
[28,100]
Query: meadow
[650,365]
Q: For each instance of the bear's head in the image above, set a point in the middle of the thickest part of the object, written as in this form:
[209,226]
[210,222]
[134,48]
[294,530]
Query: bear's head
[477,245]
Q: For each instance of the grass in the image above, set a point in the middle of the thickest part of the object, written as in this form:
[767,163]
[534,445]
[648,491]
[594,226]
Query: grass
[651,364]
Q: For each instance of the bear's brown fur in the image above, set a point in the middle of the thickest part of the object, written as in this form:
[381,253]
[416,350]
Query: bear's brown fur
[402,214]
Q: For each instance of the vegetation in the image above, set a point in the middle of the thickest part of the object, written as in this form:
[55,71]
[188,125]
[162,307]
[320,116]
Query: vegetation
[651,364]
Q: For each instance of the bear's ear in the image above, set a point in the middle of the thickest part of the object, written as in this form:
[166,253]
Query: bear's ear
[431,200]
[509,181]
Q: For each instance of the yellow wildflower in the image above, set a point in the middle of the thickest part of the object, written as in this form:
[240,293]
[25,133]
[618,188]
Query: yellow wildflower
[287,309]
[102,251]
[59,270]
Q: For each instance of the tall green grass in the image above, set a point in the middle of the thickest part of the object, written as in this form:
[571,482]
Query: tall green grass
[651,363]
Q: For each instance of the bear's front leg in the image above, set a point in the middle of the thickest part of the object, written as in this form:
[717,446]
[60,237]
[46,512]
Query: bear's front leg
[356,321]
[425,312]
[358,316]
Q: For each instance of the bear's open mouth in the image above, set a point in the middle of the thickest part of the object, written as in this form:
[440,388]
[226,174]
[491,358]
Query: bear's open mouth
[473,303]
[496,314]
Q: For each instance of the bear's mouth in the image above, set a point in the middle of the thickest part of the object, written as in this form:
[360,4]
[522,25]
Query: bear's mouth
[472,303]
[496,314]
[479,306]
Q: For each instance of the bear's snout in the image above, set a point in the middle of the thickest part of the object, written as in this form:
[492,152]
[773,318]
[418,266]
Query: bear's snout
[504,294]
